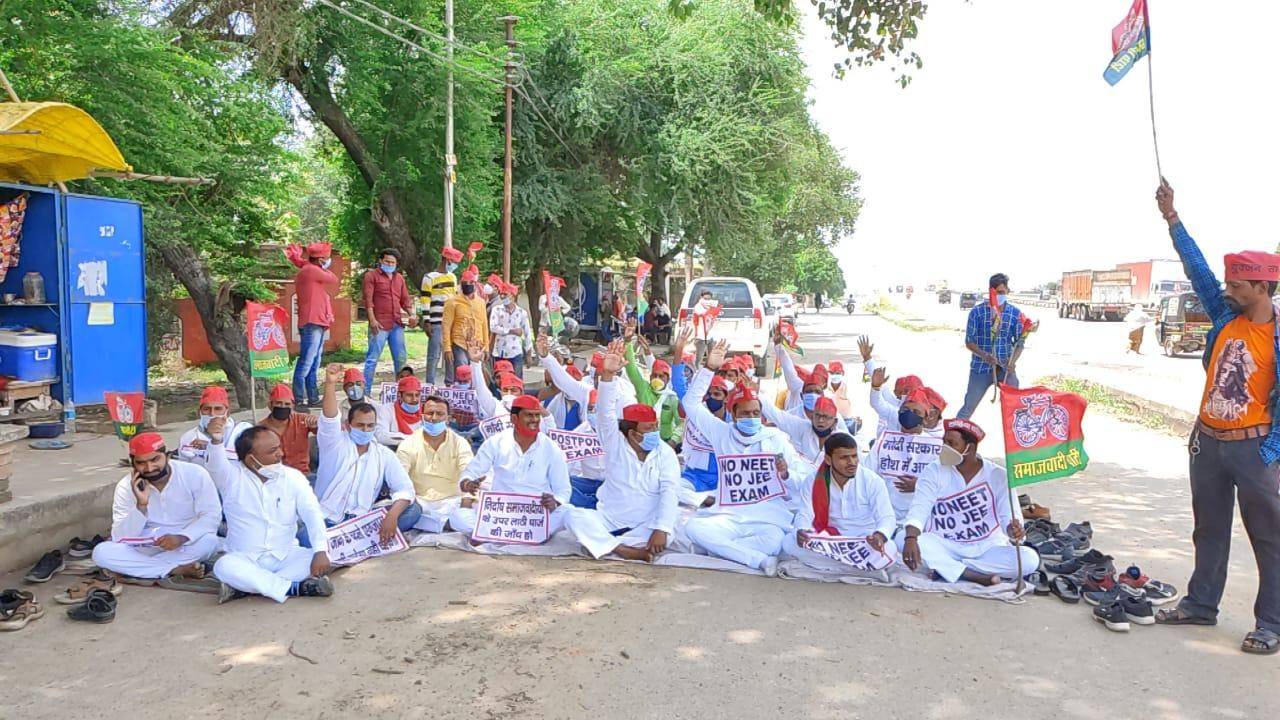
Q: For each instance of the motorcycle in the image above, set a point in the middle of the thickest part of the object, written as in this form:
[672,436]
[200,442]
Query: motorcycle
[849,306]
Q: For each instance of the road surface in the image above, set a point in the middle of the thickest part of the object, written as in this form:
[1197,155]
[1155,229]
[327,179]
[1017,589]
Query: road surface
[444,634]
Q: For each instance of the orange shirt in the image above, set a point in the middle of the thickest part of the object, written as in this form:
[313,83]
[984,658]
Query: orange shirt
[1241,376]
[294,441]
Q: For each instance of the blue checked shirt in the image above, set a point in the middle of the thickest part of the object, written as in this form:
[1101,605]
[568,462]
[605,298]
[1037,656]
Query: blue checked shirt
[1207,287]
[1001,343]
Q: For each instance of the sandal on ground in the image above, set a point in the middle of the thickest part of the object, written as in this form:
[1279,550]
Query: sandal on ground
[98,607]
[80,593]
[12,618]
[1065,587]
[1261,642]
[1178,616]
[1039,582]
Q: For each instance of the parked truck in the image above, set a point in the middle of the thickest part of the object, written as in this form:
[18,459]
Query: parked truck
[1156,279]
[1096,294]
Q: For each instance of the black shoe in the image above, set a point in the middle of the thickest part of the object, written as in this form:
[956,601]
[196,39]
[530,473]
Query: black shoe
[1115,594]
[78,548]
[51,564]
[1078,543]
[226,594]
[99,606]
[1083,529]
[313,587]
[1112,615]
[1137,609]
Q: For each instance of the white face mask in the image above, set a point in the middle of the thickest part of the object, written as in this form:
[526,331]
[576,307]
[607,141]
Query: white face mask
[950,457]
[270,472]
[507,400]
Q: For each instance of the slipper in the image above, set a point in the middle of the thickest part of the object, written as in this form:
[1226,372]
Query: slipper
[12,599]
[1066,589]
[80,593]
[1261,642]
[98,607]
[48,444]
[207,584]
[1178,616]
[1039,582]
[17,618]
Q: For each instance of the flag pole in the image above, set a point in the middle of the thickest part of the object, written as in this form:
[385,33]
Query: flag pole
[1013,517]
[1151,93]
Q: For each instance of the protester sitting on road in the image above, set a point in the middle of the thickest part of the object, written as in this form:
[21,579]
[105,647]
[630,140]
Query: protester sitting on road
[213,423]
[172,503]
[403,415]
[518,460]
[354,468]
[700,476]
[807,435]
[750,533]
[294,428]
[838,391]
[434,459]
[578,391]
[803,390]
[886,404]
[655,391]
[263,500]
[637,508]
[896,414]
[910,421]
[846,499]
[960,523]
[934,405]
[352,390]
[992,334]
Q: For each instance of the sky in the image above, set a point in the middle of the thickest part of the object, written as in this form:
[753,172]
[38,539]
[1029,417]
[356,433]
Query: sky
[1008,152]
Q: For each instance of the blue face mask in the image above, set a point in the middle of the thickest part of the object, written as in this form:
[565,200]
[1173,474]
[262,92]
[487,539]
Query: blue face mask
[909,419]
[411,409]
[651,441]
[810,400]
[326,263]
[715,405]
[748,426]
[360,437]
[433,428]
[204,422]
[1001,299]
[388,269]
[450,267]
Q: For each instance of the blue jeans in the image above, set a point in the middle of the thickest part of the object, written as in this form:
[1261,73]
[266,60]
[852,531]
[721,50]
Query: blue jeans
[310,346]
[517,365]
[405,523]
[978,384]
[460,358]
[435,348]
[395,336]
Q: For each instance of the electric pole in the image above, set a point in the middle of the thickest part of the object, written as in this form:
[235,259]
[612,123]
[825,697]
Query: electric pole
[510,67]
[450,177]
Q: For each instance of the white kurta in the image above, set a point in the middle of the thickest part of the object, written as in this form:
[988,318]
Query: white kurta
[488,406]
[957,532]
[347,481]
[795,386]
[188,506]
[901,500]
[800,431]
[504,467]
[388,430]
[858,509]
[194,444]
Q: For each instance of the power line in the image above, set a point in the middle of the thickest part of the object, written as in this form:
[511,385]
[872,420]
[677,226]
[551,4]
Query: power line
[427,32]
[545,122]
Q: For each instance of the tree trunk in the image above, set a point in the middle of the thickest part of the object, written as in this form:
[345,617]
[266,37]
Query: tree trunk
[223,327]
[651,252]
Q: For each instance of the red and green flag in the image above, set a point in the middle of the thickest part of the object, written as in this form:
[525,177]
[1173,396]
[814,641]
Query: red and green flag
[551,286]
[125,409]
[268,349]
[1042,435]
[1130,42]
[642,276]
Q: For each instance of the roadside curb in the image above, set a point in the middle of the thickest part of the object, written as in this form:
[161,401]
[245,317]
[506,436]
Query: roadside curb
[1174,420]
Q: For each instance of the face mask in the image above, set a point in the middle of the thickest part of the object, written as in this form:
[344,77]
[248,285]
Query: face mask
[281,413]
[715,405]
[810,401]
[450,267]
[388,269]
[356,393]
[523,431]
[507,400]
[909,419]
[433,428]
[824,433]
[411,409]
[658,384]
[949,456]
[748,426]
[1001,299]
[271,471]
[468,288]
[650,441]
[837,379]
[204,422]
[360,437]
[157,475]
[326,263]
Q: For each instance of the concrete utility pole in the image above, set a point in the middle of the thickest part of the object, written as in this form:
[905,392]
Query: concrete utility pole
[450,161]
[510,67]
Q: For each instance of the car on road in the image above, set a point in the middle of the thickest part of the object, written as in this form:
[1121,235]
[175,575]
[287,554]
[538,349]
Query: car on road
[944,297]
[969,299]
[784,302]
[743,320]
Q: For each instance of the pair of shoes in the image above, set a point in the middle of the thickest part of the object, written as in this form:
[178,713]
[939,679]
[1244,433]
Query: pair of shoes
[80,593]
[98,607]
[1157,592]
[1124,609]
[17,609]
[83,548]
[1035,511]
[1093,558]
[226,594]
[1102,597]
[51,564]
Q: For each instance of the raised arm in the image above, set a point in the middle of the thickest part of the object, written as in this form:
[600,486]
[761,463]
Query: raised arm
[126,519]
[1203,281]
[572,389]
[486,403]
[607,410]
[696,411]
[879,403]
[219,465]
[644,392]
[795,386]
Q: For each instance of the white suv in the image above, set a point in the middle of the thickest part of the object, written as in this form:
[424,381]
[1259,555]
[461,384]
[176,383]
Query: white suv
[742,319]
[785,303]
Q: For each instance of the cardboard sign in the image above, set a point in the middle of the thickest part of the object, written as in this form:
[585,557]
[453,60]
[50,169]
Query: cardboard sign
[748,479]
[853,551]
[356,540]
[899,454]
[460,399]
[577,446]
[511,518]
[387,393]
[495,425]
[694,438]
[137,541]
[967,516]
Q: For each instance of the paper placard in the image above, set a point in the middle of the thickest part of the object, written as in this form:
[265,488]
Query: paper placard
[461,399]
[511,518]
[577,446]
[694,438]
[967,516]
[101,313]
[137,541]
[853,551]
[748,479]
[356,540]
[899,454]
[387,393]
[494,425]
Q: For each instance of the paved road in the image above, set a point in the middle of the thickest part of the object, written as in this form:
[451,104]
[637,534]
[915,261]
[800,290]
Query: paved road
[574,639]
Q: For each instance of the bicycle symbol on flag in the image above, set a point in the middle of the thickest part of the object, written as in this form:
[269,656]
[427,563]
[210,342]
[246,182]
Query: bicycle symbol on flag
[1040,418]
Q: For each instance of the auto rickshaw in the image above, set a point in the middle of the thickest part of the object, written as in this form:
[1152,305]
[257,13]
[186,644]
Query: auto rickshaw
[1181,324]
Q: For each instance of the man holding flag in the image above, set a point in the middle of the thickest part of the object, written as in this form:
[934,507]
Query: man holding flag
[992,334]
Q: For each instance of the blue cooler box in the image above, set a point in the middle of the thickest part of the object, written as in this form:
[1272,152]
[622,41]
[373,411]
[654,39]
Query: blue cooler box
[28,356]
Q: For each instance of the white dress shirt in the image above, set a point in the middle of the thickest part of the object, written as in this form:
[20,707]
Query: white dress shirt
[939,481]
[348,482]
[634,493]
[506,468]
[262,517]
[800,431]
[188,505]
[858,509]
[502,321]
[194,444]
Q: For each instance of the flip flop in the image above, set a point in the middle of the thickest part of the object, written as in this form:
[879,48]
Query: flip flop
[1261,642]
[1178,616]
[1065,588]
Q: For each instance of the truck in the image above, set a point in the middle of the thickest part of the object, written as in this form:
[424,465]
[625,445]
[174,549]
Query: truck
[1154,280]
[1096,294]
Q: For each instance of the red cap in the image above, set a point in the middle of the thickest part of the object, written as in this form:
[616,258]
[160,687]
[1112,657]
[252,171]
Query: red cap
[452,255]
[906,385]
[509,380]
[353,375]
[935,399]
[145,444]
[740,395]
[825,405]
[1253,265]
[525,402]
[968,426]
[639,412]
[720,383]
[819,375]
[918,396]
[597,360]
[806,376]
[661,366]
[214,394]
[503,366]
[319,250]
[471,274]
[688,358]
[409,383]
[462,373]
[835,366]
[280,392]
[573,371]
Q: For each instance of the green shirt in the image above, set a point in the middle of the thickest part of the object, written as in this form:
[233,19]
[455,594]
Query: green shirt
[670,425]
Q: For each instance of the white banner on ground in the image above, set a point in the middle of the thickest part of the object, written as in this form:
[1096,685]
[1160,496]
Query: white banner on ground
[356,540]
[967,516]
[511,518]
[494,425]
[900,454]
[577,446]
[852,551]
[748,479]
[461,399]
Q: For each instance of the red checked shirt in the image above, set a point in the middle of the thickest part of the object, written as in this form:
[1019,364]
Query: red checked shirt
[312,285]
[385,296]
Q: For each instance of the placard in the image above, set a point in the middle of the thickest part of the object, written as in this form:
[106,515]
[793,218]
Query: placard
[511,518]
[577,446]
[495,425]
[748,479]
[899,454]
[967,516]
[356,540]
[461,399]
[387,393]
[694,438]
[853,551]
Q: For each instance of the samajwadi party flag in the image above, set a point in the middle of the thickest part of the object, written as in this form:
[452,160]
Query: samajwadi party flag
[551,287]
[125,409]
[642,276]
[1042,435]
[1130,41]
[268,351]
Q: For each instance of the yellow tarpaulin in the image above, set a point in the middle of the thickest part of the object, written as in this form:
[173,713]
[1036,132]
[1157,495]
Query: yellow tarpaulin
[68,144]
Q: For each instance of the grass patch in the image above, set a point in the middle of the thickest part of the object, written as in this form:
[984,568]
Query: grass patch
[1115,404]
